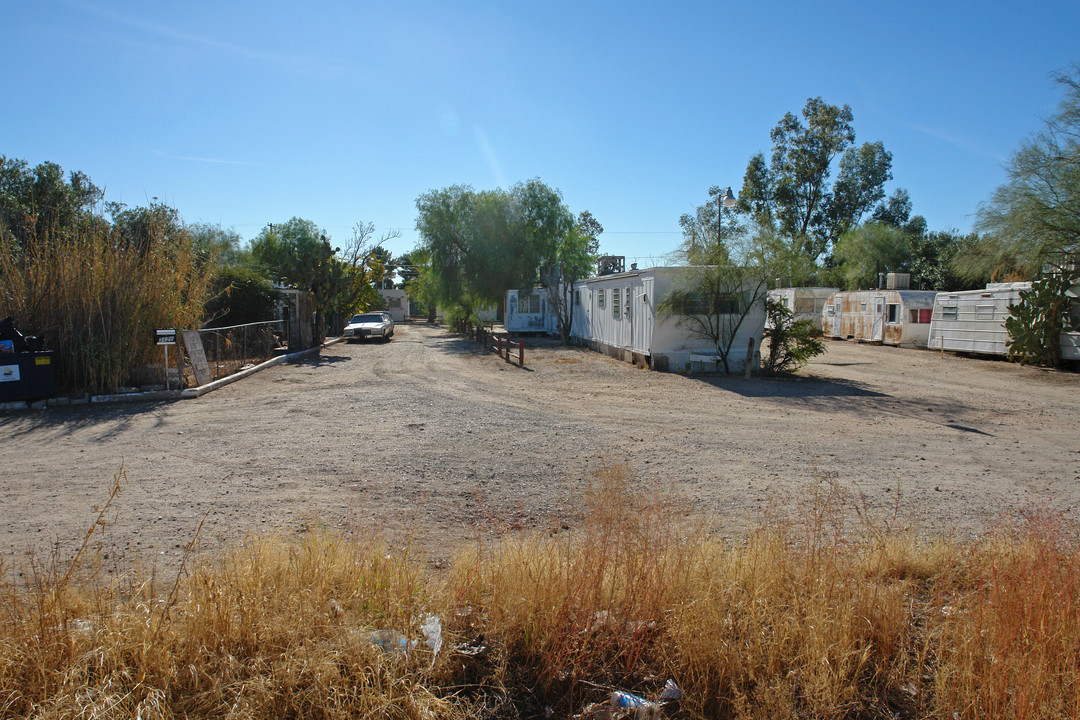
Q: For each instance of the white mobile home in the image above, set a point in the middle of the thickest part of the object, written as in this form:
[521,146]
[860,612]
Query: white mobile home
[397,303]
[529,311]
[803,302]
[974,320]
[617,314]
[891,317]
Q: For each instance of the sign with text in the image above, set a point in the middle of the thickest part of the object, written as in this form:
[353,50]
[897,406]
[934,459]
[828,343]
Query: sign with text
[165,337]
[197,356]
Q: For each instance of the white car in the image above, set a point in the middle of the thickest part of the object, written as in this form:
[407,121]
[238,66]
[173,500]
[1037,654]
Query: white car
[369,326]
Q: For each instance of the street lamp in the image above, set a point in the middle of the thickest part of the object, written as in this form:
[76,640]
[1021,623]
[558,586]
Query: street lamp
[726,200]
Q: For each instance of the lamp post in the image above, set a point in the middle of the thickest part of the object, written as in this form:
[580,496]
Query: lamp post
[725,200]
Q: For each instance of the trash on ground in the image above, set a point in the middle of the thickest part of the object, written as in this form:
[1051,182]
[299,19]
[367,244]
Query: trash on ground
[432,629]
[622,705]
[389,641]
[474,648]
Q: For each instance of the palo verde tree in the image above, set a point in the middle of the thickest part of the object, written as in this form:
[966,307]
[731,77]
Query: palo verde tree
[792,191]
[1036,213]
[721,289]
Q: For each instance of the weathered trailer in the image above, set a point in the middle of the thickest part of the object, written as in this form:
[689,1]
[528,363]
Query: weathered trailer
[803,302]
[890,317]
[973,321]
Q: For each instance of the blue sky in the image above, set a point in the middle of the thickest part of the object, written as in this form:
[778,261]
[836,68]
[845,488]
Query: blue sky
[246,113]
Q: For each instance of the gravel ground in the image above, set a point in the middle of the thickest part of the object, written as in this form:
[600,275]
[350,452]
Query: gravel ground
[426,438]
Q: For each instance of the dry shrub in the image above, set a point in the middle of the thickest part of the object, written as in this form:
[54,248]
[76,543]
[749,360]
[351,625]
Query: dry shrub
[797,620]
[96,295]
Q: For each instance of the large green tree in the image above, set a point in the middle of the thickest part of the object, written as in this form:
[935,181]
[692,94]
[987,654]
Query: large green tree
[792,191]
[483,243]
[299,253]
[1036,213]
[44,201]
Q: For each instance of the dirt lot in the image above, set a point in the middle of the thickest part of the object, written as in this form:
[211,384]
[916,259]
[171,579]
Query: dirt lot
[426,437]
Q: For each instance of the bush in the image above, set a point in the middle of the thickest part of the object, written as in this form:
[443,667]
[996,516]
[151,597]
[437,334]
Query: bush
[1035,323]
[791,342]
[239,296]
[96,294]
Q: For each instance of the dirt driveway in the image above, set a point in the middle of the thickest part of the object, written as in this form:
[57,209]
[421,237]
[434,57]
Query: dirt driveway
[423,436]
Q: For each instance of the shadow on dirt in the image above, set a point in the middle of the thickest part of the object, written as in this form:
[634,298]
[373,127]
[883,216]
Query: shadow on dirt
[114,419]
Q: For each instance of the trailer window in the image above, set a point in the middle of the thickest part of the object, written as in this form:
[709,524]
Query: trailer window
[626,303]
[924,316]
[892,313]
[600,298]
[948,312]
[528,304]
[862,307]
[577,297]
[984,312]
[616,294]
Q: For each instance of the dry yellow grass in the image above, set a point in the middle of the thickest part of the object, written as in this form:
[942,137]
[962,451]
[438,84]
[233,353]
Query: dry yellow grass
[798,620]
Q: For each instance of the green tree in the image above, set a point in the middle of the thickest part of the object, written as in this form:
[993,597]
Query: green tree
[793,189]
[222,247]
[590,227]
[1037,211]
[40,202]
[870,249]
[710,232]
[482,244]
[239,296]
[715,302]
[792,343]
[299,253]
[573,260]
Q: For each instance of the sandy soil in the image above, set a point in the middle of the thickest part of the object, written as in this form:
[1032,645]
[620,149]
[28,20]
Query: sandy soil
[426,437]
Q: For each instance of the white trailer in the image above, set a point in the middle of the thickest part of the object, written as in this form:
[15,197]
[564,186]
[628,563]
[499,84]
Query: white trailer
[529,311]
[617,314]
[974,320]
[890,317]
[397,303]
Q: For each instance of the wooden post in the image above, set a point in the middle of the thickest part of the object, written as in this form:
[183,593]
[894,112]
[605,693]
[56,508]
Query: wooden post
[498,344]
[521,353]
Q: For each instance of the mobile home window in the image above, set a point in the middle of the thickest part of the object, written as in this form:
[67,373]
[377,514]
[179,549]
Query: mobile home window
[984,312]
[394,302]
[529,304]
[920,316]
[615,303]
[626,303]
[577,297]
[862,307]
[600,297]
[892,313]
[948,312]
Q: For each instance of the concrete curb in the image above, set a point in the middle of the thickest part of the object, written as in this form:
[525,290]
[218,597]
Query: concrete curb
[168,394]
[222,382]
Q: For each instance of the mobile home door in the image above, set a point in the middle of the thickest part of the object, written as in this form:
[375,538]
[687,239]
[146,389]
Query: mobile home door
[641,317]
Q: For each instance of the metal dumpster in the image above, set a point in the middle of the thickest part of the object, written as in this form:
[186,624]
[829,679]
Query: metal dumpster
[26,375]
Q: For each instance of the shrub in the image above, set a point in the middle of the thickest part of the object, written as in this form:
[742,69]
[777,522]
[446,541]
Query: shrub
[791,342]
[239,296]
[96,294]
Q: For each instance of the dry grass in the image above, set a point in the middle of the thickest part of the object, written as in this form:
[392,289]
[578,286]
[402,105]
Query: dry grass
[800,620]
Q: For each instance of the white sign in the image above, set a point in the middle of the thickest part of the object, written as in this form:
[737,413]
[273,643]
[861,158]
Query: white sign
[9,373]
[165,337]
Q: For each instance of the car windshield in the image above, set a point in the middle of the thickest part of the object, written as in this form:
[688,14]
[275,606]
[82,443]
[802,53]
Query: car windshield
[370,317]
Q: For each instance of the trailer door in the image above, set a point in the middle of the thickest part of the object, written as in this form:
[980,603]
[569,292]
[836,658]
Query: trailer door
[878,330]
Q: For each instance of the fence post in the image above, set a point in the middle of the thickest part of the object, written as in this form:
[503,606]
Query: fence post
[521,353]
[498,341]
[243,352]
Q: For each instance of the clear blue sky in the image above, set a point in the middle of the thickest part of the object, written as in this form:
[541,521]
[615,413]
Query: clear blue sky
[244,113]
